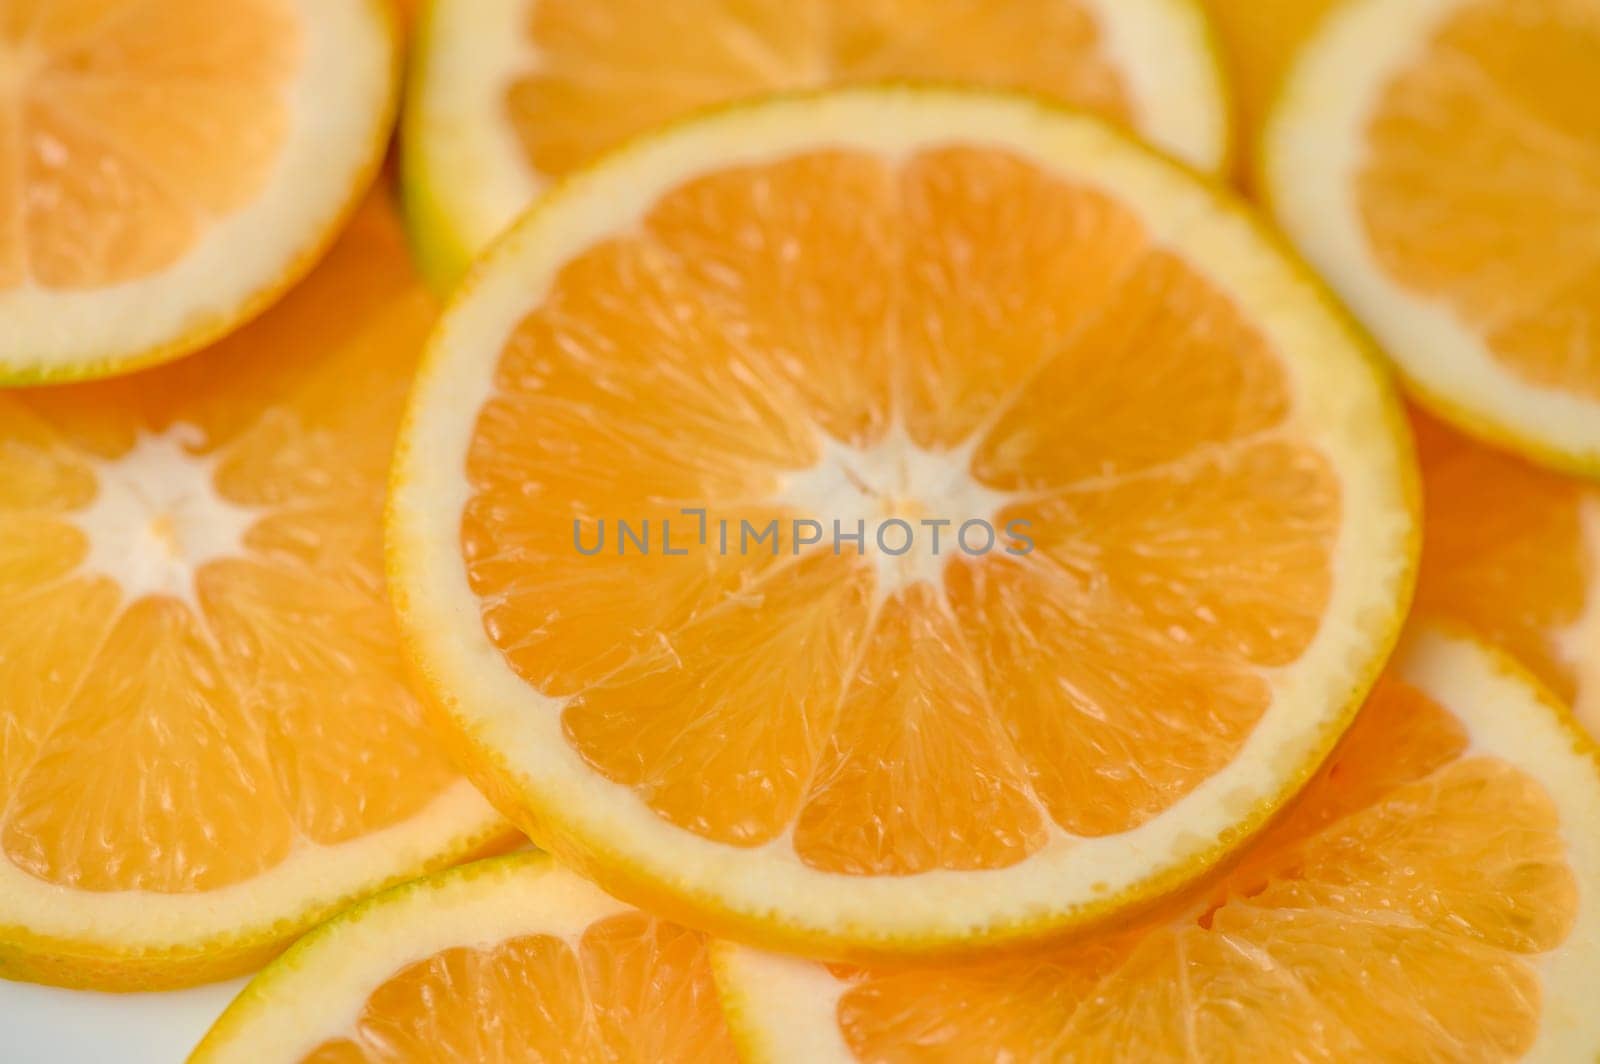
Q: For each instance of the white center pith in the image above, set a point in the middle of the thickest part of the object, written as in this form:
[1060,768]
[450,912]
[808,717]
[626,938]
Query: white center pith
[157,517]
[891,486]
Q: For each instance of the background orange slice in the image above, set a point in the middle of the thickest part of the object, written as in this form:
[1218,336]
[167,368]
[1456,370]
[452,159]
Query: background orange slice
[1431,895]
[509,959]
[858,308]
[169,167]
[209,743]
[512,94]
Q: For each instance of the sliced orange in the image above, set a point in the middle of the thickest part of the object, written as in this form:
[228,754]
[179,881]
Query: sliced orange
[209,744]
[1439,160]
[1513,551]
[511,959]
[887,308]
[512,94]
[1433,895]
[169,167]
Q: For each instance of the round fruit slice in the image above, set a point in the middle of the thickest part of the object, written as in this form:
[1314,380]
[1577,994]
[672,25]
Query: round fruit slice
[511,94]
[209,743]
[1439,160]
[1513,551]
[1433,895]
[894,519]
[508,959]
[169,167]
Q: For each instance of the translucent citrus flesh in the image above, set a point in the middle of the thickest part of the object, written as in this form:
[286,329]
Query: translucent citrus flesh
[609,71]
[962,312]
[191,736]
[1396,912]
[1481,186]
[129,127]
[631,988]
[1507,551]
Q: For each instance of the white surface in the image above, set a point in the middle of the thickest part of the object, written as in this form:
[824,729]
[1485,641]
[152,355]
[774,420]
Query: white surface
[46,1025]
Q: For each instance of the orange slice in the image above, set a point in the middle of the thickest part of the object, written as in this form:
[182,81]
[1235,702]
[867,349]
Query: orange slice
[1513,551]
[512,94]
[169,167]
[1439,160]
[209,743]
[1433,895]
[1177,501]
[509,959]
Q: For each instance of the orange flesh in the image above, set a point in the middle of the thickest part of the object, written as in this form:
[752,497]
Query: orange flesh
[608,71]
[1482,183]
[128,128]
[898,719]
[632,989]
[1385,856]
[180,743]
[1506,551]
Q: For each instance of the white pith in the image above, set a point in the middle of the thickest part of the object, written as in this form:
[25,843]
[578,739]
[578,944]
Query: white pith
[317,991]
[157,517]
[467,155]
[894,480]
[1340,407]
[1313,148]
[784,1009]
[339,107]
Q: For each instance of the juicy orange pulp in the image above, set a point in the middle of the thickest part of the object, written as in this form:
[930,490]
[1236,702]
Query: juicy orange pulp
[1507,551]
[197,684]
[631,988]
[1394,913]
[960,330]
[1481,186]
[128,129]
[609,71]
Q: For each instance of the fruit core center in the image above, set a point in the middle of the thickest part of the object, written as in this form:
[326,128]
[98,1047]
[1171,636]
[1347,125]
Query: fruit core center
[157,517]
[910,510]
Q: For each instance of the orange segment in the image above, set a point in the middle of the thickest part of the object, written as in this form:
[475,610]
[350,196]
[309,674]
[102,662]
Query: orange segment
[997,553]
[1411,904]
[510,959]
[112,108]
[1501,80]
[203,683]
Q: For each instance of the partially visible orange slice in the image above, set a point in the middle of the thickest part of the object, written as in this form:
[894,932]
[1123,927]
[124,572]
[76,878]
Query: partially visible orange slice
[169,167]
[876,311]
[505,960]
[209,742]
[1513,551]
[1433,895]
[510,95]
[1439,161]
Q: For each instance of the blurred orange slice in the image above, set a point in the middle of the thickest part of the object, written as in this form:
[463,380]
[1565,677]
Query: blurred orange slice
[169,167]
[512,94]
[1439,161]
[1433,895]
[877,311]
[209,744]
[504,960]
[1513,551]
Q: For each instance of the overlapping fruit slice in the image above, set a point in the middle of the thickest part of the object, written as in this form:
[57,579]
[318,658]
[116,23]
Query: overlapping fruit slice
[1434,894]
[511,94]
[1513,551]
[503,960]
[169,167]
[1440,162]
[209,743]
[1021,529]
